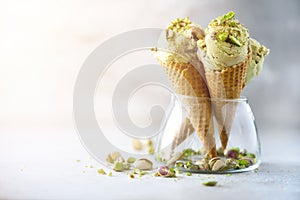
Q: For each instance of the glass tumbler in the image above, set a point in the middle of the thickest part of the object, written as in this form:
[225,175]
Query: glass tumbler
[205,135]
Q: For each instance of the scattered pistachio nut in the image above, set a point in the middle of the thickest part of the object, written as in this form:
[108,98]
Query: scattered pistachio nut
[231,163]
[188,152]
[149,143]
[218,165]
[131,160]
[131,175]
[137,144]
[250,155]
[212,161]
[232,153]
[150,150]
[118,166]
[112,157]
[166,172]
[188,173]
[110,174]
[143,164]
[101,171]
[179,163]
[243,163]
[210,183]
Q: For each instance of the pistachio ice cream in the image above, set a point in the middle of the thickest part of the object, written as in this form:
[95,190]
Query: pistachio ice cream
[181,36]
[257,58]
[226,42]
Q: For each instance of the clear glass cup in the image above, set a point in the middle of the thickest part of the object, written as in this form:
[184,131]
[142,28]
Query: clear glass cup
[232,130]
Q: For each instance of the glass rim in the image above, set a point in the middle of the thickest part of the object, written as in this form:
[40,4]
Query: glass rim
[186,97]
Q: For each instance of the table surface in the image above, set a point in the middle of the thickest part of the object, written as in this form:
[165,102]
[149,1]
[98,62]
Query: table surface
[46,166]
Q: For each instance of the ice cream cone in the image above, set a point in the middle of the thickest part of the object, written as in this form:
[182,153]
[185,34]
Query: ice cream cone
[186,129]
[224,85]
[187,80]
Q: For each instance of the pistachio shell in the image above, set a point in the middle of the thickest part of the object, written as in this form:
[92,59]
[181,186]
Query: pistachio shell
[212,161]
[219,164]
[137,144]
[143,164]
[112,157]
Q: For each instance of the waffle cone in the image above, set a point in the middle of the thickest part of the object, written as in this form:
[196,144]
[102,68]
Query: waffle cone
[187,80]
[226,84]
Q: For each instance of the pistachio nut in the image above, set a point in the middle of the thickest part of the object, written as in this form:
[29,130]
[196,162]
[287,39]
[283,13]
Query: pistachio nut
[212,161]
[165,171]
[243,163]
[137,144]
[188,152]
[131,175]
[202,164]
[131,160]
[231,163]
[143,164]
[232,153]
[118,166]
[250,155]
[179,164]
[101,171]
[114,156]
[188,173]
[218,165]
[210,183]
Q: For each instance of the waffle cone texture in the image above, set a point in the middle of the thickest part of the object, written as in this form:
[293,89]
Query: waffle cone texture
[224,85]
[187,80]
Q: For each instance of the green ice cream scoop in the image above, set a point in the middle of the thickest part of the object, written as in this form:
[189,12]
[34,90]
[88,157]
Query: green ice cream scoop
[227,42]
[257,58]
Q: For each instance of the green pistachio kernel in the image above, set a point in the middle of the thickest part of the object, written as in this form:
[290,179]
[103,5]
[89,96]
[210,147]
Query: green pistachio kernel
[189,164]
[151,150]
[223,36]
[229,15]
[118,166]
[233,24]
[188,152]
[110,174]
[101,171]
[210,183]
[131,160]
[139,172]
[250,155]
[234,41]
[243,163]
[236,149]
[179,164]
[172,170]
[188,173]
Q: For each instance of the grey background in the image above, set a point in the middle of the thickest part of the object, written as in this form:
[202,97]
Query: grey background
[42,53]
